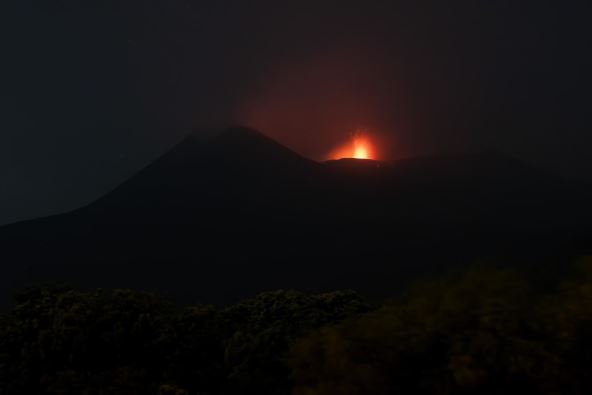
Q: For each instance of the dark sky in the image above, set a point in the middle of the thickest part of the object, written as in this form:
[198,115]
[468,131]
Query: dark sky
[91,93]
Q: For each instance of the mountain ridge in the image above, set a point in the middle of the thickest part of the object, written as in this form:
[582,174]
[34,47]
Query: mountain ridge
[240,202]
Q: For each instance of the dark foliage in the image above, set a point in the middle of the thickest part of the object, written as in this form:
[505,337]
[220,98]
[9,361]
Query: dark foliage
[486,331]
[59,340]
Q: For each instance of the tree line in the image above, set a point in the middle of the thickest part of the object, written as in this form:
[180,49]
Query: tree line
[487,330]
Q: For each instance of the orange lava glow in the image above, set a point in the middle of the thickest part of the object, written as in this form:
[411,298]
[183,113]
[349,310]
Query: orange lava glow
[360,147]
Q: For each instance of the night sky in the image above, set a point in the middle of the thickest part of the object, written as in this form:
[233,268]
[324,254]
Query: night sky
[92,93]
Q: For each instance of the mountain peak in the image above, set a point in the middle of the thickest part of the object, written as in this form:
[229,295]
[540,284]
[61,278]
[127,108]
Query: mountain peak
[246,144]
[241,133]
[243,136]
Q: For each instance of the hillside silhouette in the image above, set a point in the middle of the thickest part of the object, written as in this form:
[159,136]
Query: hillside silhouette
[221,218]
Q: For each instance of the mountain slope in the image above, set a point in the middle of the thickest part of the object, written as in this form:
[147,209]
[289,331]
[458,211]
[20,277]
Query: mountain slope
[220,218]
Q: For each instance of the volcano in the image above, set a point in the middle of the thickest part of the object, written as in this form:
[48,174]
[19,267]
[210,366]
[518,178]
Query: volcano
[218,219]
[360,147]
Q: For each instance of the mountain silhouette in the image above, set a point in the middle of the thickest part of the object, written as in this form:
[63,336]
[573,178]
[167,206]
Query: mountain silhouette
[220,218]
[235,169]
